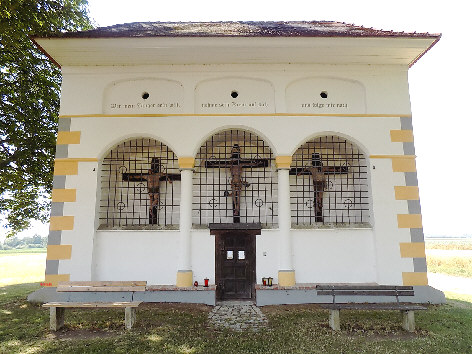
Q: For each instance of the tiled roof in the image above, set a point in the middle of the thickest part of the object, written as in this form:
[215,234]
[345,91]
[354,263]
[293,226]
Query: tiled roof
[238,29]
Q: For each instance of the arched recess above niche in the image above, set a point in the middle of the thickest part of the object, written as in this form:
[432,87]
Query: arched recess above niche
[326,95]
[144,96]
[234,95]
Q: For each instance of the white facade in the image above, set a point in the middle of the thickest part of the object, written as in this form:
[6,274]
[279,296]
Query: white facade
[367,104]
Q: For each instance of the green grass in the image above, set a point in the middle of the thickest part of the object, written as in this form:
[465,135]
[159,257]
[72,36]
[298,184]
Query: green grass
[457,266]
[178,328]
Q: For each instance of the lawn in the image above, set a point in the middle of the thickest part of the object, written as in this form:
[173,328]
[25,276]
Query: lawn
[180,328]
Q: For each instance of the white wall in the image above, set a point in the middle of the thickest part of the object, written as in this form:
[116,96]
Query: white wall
[319,255]
[334,256]
[138,255]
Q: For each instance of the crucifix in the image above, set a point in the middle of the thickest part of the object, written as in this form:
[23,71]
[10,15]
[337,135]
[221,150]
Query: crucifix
[236,164]
[318,173]
[153,179]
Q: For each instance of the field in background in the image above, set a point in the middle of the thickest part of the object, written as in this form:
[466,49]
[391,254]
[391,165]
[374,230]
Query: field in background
[21,267]
[449,245]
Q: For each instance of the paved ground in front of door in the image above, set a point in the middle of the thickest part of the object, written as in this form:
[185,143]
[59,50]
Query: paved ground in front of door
[237,316]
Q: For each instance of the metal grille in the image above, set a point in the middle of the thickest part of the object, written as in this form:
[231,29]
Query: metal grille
[140,186]
[235,180]
[329,183]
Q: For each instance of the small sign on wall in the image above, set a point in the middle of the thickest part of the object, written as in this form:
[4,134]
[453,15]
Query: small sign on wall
[144,96]
[325,95]
[234,96]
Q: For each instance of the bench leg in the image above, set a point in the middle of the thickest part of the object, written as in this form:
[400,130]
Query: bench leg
[130,317]
[56,318]
[334,320]
[409,321]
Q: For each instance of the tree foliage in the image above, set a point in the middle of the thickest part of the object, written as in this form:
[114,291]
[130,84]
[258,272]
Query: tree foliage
[30,89]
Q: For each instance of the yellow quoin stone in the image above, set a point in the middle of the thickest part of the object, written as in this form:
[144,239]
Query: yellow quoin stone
[407,193]
[184,279]
[64,195]
[404,164]
[412,250]
[64,138]
[286,278]
[415,278]
[58,223]
[412,221]
[401,136]
[62,168]
[54,279]
[56,252]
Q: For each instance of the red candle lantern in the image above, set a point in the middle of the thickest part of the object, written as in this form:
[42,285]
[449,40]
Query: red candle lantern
[264,281]
[206,282]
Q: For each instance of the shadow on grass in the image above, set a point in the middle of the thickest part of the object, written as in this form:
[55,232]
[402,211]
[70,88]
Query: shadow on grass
[181,328]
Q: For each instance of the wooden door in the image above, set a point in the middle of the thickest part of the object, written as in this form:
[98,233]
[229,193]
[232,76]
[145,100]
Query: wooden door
[235,265]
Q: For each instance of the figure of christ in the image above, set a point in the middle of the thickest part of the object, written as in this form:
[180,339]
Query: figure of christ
[318,174]
[153,179]
[236,165]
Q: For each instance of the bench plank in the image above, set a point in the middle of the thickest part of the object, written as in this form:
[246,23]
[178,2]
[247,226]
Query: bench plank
[334,308]
[364,287]
[340,292]
[374,306]
[99,288]
[104,283]
[94,304]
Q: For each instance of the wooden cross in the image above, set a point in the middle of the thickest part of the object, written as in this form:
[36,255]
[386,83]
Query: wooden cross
[236,164]
[318,173]
[153,179]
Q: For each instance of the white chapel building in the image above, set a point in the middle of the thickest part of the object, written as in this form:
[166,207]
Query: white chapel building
[236,152]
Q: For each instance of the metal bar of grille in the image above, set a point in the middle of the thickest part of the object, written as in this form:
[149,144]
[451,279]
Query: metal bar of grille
[341,168]
[126,187]
[214,181]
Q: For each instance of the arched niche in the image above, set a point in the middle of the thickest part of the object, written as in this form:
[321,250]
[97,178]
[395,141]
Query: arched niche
[139,186]
[329,184]
[323,95]
[236,95]
[143,96]
[217,180]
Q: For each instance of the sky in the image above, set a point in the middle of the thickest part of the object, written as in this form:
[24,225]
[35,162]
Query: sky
[439,82]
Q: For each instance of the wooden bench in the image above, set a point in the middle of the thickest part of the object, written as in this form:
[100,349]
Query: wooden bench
[57,309]
[369,290]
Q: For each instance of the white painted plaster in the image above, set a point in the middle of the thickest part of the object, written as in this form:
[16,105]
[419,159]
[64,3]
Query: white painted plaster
[142,255]
[342,255]
[334,256]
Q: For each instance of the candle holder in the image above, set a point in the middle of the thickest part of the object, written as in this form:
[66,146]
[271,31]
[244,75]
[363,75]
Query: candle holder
[264,281]
[269,281]
[206,282]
